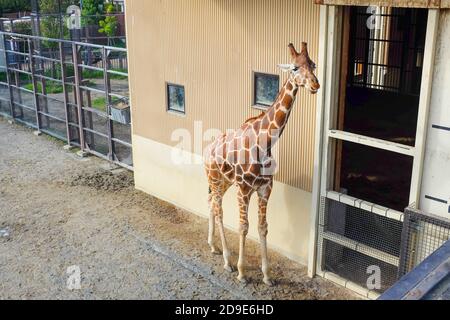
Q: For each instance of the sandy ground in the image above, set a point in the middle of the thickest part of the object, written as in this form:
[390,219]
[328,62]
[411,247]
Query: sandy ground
[58,211]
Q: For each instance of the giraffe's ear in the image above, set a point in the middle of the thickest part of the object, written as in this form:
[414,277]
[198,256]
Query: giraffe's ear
[294,53]
[286,67]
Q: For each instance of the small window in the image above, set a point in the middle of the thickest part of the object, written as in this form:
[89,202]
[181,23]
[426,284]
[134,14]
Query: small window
[266,89]
[175,98]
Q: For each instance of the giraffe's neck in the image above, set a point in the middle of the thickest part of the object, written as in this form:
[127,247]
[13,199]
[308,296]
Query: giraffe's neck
[276,117]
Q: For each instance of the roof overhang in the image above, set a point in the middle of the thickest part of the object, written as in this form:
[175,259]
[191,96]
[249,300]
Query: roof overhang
[430,4]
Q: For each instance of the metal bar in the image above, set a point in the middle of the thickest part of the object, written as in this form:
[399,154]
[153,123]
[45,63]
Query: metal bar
[40,57]
[126,144]
[48,78]
[20,71]
[78,43]
[50,98]
[23,54]
[35,87]
[104,135]
[85,66]
[92,89]
[364,292]
[118,73]
[66,97]
[21,105]
[98,112]
[79,97]
[107,84]
[29,124]
[52,116]
[8,78]
[118,96]
[372,142]
[21,89]
[360,247]
[365,205]
[405,239]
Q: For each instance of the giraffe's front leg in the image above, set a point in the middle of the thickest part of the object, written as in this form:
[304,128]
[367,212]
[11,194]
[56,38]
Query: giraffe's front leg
[264,194]
[244,199]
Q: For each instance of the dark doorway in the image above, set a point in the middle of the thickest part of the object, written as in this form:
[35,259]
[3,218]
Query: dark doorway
[381,81]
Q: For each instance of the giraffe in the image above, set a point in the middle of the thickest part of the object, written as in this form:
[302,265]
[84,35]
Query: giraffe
[243,157]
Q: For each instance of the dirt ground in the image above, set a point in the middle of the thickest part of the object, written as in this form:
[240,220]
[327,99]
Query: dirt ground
[58,211]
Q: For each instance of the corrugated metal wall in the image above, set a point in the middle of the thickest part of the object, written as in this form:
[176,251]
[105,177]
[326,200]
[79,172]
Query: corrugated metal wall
[212,47]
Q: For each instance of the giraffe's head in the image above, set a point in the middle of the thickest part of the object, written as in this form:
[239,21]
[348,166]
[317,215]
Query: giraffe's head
[302,69]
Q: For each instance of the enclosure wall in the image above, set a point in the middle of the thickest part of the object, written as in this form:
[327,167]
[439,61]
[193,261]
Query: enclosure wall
[435,192]
[212,48]
[186,187]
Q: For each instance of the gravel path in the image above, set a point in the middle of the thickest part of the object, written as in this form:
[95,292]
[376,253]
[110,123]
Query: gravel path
[58,211]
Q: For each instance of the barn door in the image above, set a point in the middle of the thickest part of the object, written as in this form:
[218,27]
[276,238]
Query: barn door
[372,143]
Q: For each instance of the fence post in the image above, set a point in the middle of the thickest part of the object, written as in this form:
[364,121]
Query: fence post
[66,97]
[108,102]
[76,67]
[34,82]
[8,77]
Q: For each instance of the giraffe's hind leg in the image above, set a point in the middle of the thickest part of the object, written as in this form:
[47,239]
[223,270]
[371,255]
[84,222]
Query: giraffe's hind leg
[212,223]
[217,191]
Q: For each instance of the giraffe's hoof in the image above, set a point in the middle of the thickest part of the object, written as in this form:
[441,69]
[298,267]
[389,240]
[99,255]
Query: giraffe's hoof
[269,282]
[228,268]
[242,279]
[215,251]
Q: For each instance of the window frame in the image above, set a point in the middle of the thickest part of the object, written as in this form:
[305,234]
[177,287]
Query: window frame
[168,109]
[255,104]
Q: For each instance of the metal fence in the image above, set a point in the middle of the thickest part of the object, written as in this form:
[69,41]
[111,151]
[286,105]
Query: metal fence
[422,235]
[50,85]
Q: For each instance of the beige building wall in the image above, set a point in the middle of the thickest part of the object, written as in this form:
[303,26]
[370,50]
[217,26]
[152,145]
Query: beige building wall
[212,47]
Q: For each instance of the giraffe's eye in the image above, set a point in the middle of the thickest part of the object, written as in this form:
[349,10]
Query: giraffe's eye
[295,69]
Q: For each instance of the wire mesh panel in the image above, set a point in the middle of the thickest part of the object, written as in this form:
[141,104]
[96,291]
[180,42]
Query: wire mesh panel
[423,234]
[355,240]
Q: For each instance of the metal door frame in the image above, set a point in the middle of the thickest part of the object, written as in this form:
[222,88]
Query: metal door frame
[326,137]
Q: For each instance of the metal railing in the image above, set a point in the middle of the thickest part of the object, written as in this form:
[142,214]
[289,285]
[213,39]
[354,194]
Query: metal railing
[48,85]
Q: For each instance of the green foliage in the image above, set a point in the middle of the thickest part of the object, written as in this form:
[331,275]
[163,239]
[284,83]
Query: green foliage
[52,6]
[109,25]
[50,86]
[100,103]
[10,6]
[91,12]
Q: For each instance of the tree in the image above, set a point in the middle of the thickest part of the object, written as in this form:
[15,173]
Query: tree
[10,6]
[109,25]
[92,11]
[52,21]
